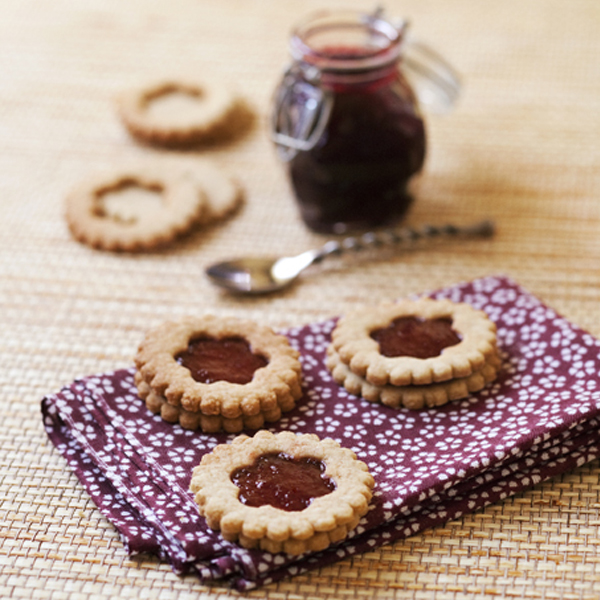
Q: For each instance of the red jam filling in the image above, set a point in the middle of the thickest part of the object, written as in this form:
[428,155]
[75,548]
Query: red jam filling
[228,359]
[419,338]
[282,481]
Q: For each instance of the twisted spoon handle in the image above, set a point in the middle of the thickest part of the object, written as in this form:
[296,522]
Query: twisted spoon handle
[394,237]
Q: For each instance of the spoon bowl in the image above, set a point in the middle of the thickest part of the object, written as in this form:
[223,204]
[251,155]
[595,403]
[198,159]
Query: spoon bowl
[262,275]
[249,275]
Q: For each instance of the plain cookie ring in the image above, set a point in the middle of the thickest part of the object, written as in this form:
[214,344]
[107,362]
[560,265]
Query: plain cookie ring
[176,113]
[282,492]
[133,210]
[216,366]
[414,397]
[473,333]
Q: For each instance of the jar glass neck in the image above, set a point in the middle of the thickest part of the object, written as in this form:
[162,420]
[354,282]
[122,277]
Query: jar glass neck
[347,44]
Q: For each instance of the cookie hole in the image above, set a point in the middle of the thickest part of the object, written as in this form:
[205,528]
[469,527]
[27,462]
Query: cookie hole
[416,337]
[128,201]
[175,103]
[228,359]
[285,482]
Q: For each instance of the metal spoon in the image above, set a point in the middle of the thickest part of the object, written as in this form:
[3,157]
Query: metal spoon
[256,275]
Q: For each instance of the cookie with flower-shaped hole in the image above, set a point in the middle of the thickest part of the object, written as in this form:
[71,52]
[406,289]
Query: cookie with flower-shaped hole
[282,492]
[182,112]
[414,342]
[413,396]
[136,208]
[217,366]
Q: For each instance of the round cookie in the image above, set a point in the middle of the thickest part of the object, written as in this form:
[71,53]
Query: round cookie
[133,209]
[209,423]
[180,112]
[174,413]
[412,396]
[335,492]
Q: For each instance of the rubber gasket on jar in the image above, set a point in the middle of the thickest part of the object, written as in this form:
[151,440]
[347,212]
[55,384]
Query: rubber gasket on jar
[198,111]
[276,384]
[137,223]
[324,520]
[353,342]
[414,397]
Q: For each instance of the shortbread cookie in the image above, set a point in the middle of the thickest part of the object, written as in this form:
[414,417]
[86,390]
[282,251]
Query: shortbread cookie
[219,366]
[412,396]
[134,209]
[282,492]
[181,113]
[415,342]
[209,423]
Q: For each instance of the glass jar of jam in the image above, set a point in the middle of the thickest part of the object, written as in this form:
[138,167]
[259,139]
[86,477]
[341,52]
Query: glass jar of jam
[347,123]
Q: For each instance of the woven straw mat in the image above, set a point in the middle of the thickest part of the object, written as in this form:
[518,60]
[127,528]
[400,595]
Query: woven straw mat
[521,147]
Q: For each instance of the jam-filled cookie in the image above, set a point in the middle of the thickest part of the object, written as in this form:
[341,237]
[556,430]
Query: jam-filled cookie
[282,492]
[211,373]
[415,342]
[414,354]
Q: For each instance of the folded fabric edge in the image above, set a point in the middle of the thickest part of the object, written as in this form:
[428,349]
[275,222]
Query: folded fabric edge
[138,534]
[61,437]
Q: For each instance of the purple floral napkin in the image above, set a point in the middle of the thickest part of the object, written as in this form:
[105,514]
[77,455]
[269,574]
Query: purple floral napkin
[540,418]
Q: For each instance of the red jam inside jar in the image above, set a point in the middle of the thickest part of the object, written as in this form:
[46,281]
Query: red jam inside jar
[229,359]
[372,141]
[415,337]
[282,481]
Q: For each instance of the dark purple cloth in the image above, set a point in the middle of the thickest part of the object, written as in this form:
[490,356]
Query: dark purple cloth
[538,419]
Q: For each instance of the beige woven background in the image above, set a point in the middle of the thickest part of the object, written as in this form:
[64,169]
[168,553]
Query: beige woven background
[522,147]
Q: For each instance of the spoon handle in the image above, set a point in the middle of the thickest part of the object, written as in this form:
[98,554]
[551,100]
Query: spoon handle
[394,237]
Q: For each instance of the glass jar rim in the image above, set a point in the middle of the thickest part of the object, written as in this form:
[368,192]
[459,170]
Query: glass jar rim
[373,40]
